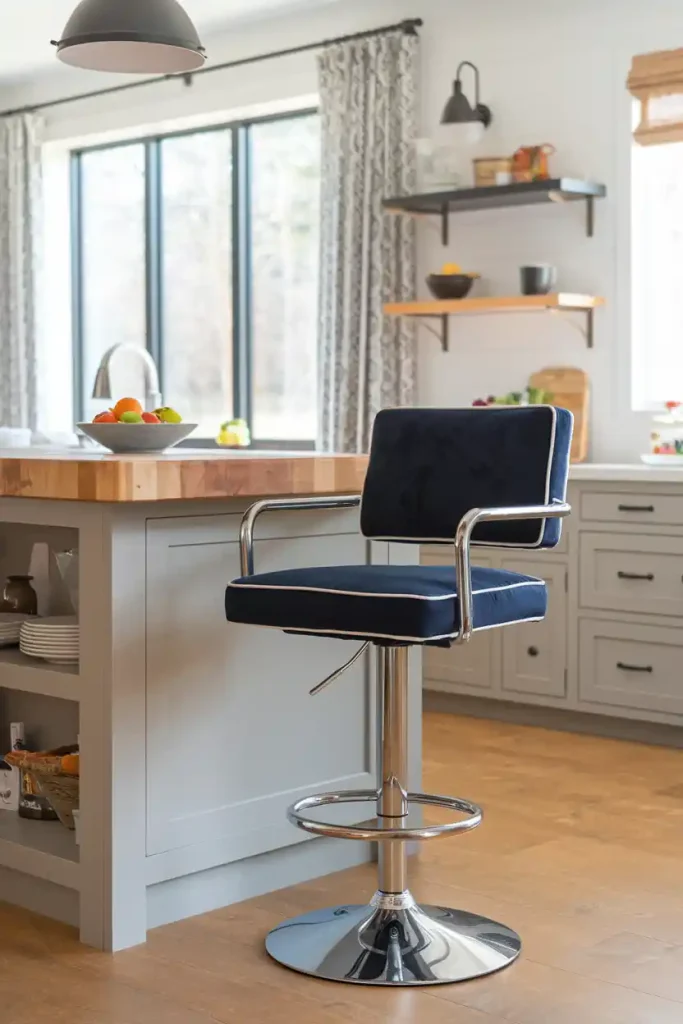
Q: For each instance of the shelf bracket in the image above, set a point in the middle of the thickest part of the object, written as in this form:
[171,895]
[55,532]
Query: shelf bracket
[590,220]
[586,331]
[590,317]
[442,334]
[444,224]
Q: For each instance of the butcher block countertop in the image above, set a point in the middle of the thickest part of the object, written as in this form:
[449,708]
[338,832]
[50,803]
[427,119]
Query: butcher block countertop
[178,475]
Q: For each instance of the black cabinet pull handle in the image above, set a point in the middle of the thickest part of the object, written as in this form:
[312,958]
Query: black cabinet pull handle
[636,508]
[636,575]
[633,668]
[532,652]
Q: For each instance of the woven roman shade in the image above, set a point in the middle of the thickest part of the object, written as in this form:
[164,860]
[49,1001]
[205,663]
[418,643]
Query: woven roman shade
[656,80]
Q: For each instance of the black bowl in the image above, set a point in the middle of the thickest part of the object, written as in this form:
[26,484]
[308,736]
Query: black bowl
[449,286]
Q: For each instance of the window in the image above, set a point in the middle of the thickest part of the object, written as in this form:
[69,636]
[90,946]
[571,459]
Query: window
[203,247]
[656,262]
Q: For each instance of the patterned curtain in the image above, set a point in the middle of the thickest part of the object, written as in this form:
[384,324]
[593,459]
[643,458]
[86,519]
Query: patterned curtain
[20,207]
[368,361]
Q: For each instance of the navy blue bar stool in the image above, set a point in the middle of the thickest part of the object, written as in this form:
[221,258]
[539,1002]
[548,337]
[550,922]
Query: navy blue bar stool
[460,477]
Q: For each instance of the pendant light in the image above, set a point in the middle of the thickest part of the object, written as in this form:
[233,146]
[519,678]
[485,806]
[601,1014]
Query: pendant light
[131,36]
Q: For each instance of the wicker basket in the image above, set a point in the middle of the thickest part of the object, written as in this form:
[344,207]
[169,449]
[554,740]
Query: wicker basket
[63,791]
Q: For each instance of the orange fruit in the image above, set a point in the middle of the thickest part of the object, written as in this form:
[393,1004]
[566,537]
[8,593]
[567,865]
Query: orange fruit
[150,417]
[127,405]
[71,764]
[105,417]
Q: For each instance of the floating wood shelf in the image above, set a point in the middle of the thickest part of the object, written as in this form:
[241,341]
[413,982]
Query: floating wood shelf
[443,309]
[519,193]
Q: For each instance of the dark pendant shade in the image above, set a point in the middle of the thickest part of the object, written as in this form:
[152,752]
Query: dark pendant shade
[131,36]
[458,109]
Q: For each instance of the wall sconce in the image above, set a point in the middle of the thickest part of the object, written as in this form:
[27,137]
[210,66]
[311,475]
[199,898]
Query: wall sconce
[458,109]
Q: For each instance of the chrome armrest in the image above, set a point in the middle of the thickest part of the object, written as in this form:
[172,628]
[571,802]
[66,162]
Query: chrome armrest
[463,539]
[282,505]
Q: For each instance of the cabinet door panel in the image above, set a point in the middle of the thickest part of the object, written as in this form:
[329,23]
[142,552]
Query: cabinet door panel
[232,734]
[535,653]
[470,667]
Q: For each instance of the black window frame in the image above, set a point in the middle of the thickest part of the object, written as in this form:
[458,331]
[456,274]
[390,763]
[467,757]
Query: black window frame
[242,284]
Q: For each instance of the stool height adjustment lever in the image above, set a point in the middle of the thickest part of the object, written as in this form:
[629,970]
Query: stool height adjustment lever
[340,671]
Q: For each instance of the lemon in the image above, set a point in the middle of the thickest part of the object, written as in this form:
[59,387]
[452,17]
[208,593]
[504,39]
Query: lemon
[451,268]
[168,415]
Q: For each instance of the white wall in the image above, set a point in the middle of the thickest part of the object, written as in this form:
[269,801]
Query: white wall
[551,72]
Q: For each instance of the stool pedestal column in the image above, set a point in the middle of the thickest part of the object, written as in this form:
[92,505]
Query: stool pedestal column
[392,797]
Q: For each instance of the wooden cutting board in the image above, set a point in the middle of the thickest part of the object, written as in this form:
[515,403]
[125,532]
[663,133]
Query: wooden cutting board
[570,390]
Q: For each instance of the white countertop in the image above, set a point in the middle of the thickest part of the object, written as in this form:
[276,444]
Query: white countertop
[633,472]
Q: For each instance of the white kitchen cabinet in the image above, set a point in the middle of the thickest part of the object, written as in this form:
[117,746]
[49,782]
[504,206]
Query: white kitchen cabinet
[535,653]
[612,641]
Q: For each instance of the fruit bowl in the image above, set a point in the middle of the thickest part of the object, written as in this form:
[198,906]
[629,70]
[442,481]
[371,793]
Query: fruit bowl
[122,438]
[450,286]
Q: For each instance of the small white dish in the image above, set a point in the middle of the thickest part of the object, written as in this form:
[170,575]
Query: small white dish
[131,438]
[55,659]
[662,460]
[49,631]
[52,620]
[56,645]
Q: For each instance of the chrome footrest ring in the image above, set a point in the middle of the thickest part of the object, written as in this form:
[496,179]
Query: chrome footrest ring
[373,833]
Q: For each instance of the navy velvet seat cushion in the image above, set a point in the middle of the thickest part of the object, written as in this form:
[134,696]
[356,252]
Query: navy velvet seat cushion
[415,604]
[428,467]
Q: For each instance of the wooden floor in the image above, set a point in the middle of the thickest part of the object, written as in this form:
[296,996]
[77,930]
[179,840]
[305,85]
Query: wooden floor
[581,851]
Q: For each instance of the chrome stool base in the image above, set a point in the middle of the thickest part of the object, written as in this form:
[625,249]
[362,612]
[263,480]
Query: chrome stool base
[392,940]
[384,944]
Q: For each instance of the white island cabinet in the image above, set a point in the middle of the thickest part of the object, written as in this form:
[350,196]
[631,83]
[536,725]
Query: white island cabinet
[196,734]
[609,655]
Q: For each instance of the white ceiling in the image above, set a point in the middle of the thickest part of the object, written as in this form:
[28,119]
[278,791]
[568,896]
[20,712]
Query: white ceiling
[27,26]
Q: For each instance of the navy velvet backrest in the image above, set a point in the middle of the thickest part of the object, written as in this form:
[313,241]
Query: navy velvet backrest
[430,466]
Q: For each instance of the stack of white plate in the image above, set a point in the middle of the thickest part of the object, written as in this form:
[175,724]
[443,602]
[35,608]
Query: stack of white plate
[10,627]
[55,639]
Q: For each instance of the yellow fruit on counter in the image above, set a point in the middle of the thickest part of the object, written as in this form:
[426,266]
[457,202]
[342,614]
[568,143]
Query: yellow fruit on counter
[451,268]
[230,439]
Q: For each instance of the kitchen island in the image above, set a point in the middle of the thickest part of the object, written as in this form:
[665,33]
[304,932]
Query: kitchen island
[195,733]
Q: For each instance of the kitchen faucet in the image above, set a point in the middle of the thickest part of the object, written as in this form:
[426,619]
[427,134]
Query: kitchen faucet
[102,385]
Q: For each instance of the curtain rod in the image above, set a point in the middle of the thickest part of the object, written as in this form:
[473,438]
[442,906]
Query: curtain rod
[409,26]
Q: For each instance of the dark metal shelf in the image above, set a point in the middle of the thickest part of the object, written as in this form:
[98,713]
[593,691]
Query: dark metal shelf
[521,193]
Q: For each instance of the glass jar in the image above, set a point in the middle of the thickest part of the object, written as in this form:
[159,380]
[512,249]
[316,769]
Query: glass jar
[19,596]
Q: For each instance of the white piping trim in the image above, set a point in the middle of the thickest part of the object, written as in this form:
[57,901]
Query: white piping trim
[363,593]
[387,636]
[491,544]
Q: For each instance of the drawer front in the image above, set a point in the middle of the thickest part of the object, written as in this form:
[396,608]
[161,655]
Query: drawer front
[631,666]
[632,573]
[655,509]
[535,653]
